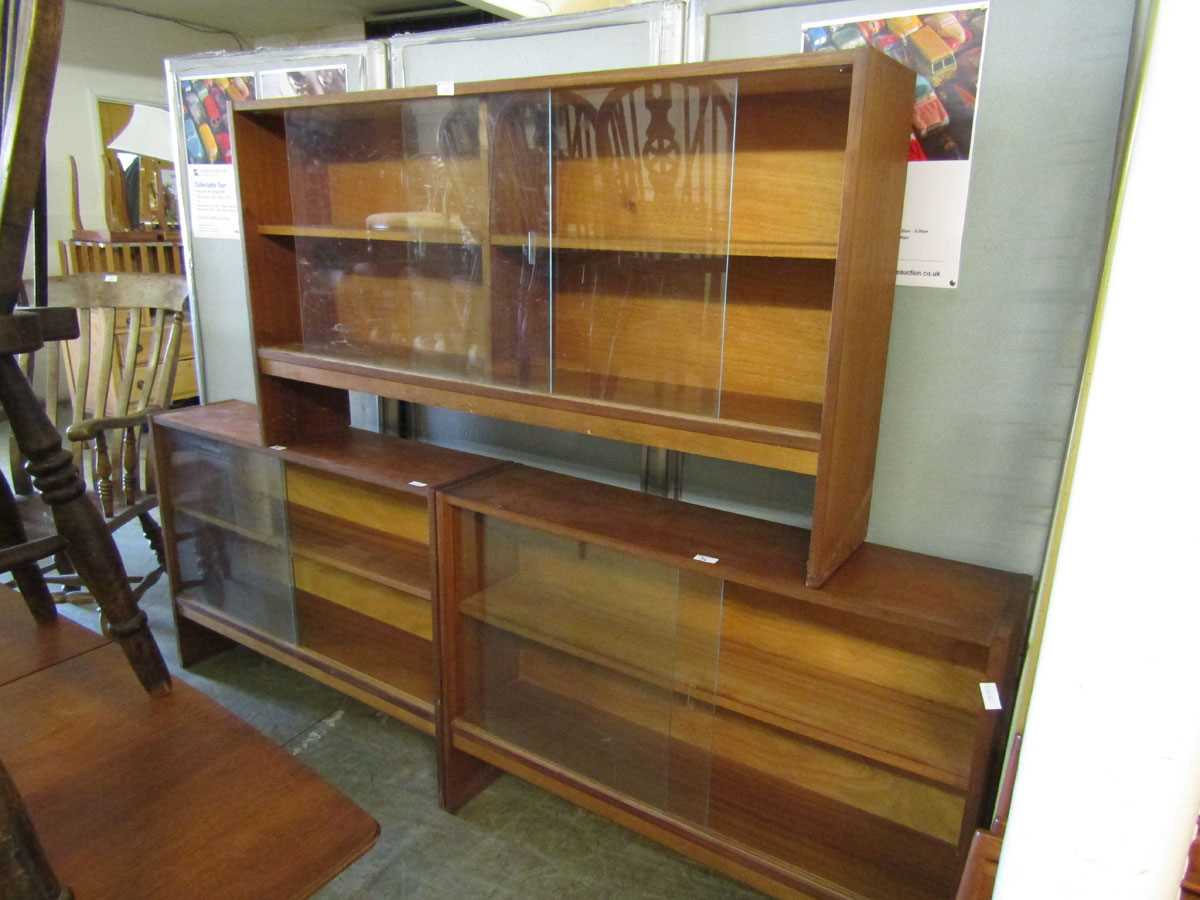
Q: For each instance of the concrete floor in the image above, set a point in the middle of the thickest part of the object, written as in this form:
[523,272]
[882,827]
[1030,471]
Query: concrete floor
[513,840]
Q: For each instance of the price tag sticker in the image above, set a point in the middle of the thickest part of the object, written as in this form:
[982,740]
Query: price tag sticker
[711,560]
[280,447]
[991,695]
[445,88]
[111,279]
[417,484]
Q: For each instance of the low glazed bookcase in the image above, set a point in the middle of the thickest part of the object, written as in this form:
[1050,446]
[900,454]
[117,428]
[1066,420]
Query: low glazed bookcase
[319,555]
[699,258]
[664,665]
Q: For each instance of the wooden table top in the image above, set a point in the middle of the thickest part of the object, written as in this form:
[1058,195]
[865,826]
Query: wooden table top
[139,797]
[27,647]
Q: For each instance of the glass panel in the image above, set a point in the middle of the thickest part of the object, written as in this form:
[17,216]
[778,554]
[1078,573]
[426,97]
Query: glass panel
[519,273]
[641,220]
[231,536]
[596,660]
[392,207]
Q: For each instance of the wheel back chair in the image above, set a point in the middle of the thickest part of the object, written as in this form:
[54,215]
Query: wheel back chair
[120,369]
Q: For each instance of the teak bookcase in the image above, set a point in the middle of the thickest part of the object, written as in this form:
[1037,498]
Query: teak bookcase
[664,665]
[699,257]
[319,555]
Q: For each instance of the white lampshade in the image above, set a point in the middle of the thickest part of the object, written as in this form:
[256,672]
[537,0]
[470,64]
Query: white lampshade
[147,134]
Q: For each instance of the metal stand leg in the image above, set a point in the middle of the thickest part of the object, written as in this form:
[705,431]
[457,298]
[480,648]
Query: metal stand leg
[89,544]
[662,472]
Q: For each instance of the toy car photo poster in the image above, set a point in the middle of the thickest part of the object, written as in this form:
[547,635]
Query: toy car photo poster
[206,105]
[944,46]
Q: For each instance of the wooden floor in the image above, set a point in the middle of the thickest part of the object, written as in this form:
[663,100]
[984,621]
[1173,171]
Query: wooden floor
[136,797]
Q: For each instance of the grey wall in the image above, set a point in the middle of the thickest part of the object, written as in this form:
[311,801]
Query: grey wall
[981,381]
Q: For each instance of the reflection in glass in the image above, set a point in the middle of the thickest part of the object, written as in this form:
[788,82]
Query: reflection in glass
[641,230]
[231,536]
[595,660]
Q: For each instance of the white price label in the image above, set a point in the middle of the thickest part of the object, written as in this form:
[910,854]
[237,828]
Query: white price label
[111,279]
[278,446]
[991,695]
[417,484]
[700,557]
[445,88]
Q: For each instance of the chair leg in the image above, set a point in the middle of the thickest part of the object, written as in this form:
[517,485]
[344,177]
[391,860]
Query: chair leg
[25,872]
[89,543]
[29,579]
[154,536]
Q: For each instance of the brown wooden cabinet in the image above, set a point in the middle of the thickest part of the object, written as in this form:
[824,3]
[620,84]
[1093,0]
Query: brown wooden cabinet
[662,664]
[699,258]
[696,257]
[319,555]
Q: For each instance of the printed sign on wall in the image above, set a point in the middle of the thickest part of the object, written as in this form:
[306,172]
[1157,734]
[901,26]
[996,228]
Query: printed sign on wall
[944,46]
[207,113]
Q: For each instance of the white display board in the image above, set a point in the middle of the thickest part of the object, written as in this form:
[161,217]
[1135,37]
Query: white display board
[639,35]
[982,380]
[210,221]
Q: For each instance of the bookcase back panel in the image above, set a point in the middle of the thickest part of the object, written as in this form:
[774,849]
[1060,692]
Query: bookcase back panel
[398,167]
[657,170]
[519,318]
[610,313]
[787,185]
[427,186]
[515,129]
[776,341]
[419,308]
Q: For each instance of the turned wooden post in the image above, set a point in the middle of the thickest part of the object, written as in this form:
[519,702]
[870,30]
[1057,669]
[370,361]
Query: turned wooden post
[89,545]
[25,872]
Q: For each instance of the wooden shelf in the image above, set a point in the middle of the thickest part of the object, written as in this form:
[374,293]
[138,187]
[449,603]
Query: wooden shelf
[397,609]
[384,559]
[894,596]
[396,235]
[407,705]
[364,456]
[807,832]
[750,551]
[390,655]
[271,540]
[789,416]
[791,450]
[878,723]
[780,249]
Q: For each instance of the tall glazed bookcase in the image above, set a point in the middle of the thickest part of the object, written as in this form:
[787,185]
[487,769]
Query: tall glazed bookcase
[698,258]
